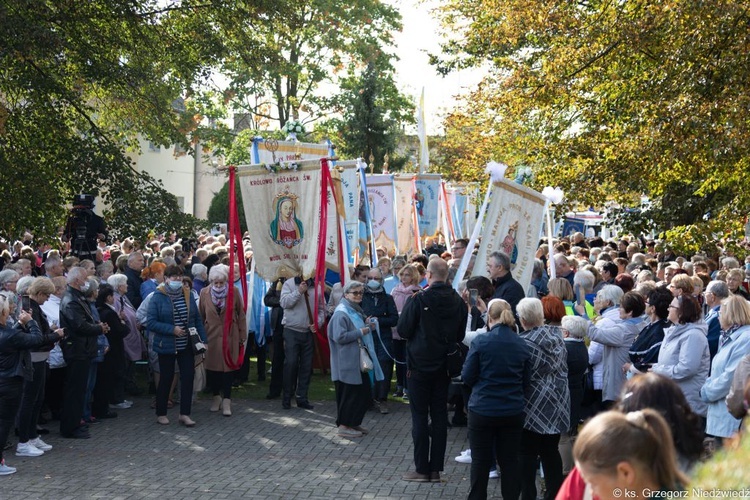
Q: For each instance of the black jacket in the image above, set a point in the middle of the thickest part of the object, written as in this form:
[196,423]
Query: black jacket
[509,290]
[15,359]
[117,330]
[578,362]
[382,306]
[80,329]
[271,299]
[647,344]
[431,321]
[134,286]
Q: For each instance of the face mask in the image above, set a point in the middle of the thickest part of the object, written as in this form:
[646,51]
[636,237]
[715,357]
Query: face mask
[374,285]
[174,285]
[85,287]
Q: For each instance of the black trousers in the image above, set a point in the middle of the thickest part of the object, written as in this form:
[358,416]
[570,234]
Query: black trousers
[533,447]
[184,359]
[32,398]
[352,402]
[277,363]
[75,393]
[10,399]
[399,354]
[220,383]
[383,387]
[501,435]
[54,393]
[428,401]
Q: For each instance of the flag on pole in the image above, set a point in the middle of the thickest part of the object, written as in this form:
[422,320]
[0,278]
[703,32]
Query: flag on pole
[424,151]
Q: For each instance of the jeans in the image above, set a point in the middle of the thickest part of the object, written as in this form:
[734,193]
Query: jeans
[501,435]
[90,384]
[10,398]
[544,446]
[184,359]
[32,397]
[298,355]
[428,400]
[75,393]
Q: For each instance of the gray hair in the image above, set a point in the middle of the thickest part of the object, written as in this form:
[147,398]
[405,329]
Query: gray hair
[718,288]
[23,284]
[531,312]
[74,274]
[730,263]
[51,262]
[353,285]
[585,279]
[116,280]
[218,271]
[611,293]
[7,275]
[104,266]
[198,270]
[93,286]
[133,256]
[576,326]
[501,259]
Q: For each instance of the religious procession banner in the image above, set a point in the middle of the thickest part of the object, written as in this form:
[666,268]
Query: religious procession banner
[471,194]
[427,204]
[282,210]
[512,225]
[406,222]
[381,200]
[457,203]
[350,198]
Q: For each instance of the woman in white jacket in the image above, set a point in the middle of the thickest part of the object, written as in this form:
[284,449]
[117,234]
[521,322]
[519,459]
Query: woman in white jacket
[684,355]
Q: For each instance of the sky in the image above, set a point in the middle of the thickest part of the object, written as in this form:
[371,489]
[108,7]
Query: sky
[418,38]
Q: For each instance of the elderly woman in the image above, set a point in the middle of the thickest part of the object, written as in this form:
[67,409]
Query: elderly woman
[152,277]
[734,344]
[574,329]
[122,349]
[171,315]
[347,332]
[213,308]
[735,277]
[547,400]
[498,369]
[645,349]
[32,395]
[15,367]
[614,334]
[684,355]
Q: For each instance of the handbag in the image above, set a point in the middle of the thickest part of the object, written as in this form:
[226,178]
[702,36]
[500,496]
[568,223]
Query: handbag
[589,394]
[455,358]
[199,377]
[365,361]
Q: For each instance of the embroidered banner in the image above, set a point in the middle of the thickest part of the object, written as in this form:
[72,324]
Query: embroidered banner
[512,225]
[282,210]
[426,203]
[405,217]
[381,199]
[350,197]
[270,151]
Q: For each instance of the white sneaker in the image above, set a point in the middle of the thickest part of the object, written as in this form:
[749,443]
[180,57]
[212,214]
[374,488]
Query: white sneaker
[39,444]
[122,406]
[463,459]
[6,470]
[28,450]
[466,452]
[494,474]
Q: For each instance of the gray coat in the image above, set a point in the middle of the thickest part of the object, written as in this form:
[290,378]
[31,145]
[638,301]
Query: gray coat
[616,335]
[685,358]
[342,340]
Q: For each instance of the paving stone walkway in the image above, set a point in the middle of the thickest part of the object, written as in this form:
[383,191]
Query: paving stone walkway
[260,452]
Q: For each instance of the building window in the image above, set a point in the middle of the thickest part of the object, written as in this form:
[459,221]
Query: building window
[181,203]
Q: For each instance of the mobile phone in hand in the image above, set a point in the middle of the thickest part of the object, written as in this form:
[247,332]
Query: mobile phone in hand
[473,294]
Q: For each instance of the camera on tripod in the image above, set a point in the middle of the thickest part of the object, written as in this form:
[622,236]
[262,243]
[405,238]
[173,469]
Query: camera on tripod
[83,227]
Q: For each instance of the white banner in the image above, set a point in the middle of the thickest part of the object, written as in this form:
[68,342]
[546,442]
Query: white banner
[282,212]
[350,195]
[270,151]
[427,203]
[381,197]
[405,221]
[512,225]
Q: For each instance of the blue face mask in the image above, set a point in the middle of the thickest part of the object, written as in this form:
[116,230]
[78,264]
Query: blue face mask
[174,285]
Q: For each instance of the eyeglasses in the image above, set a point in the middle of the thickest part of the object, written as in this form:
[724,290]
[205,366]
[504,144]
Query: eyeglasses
[673,307]
[357,294]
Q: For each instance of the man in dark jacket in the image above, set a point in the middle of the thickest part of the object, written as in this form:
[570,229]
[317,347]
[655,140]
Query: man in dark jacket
[271,299]
[506,288]
[431,322]
[378,304]
[79,348]
[136,263]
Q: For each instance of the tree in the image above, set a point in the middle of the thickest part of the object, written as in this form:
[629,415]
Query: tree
[218,212]
[612,101]
[373,113]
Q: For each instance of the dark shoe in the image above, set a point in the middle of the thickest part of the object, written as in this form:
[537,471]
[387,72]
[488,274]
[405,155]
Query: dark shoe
[305,405]
[459,421]
[8,445]
[416,477]
[286,405]
[78,434]
[435,477]
[272,396]
[91,420]
[41,420]
[41,431]
[109,414]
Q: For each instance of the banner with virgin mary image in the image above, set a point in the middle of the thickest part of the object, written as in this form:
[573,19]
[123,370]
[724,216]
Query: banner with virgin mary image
[512,225]
[381,199]
[282,210]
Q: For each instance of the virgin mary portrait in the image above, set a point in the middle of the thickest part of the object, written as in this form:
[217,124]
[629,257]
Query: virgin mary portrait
[286,228]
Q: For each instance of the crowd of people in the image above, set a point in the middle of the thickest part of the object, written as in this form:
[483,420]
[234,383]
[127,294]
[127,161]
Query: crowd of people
[619,338]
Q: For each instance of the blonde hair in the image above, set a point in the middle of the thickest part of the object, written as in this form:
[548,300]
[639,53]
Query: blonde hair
[735,310]
[499,311]
[560,288]
[41,284]
[641,437]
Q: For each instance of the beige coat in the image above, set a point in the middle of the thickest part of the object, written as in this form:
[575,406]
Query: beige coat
[213,322]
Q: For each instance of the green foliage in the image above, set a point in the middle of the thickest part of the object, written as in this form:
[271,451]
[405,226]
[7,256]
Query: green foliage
[612,101]
[725,472]
[218,212]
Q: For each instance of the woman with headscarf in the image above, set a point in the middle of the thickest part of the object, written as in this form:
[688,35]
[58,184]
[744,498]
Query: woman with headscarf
[212,307]
[347,334]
